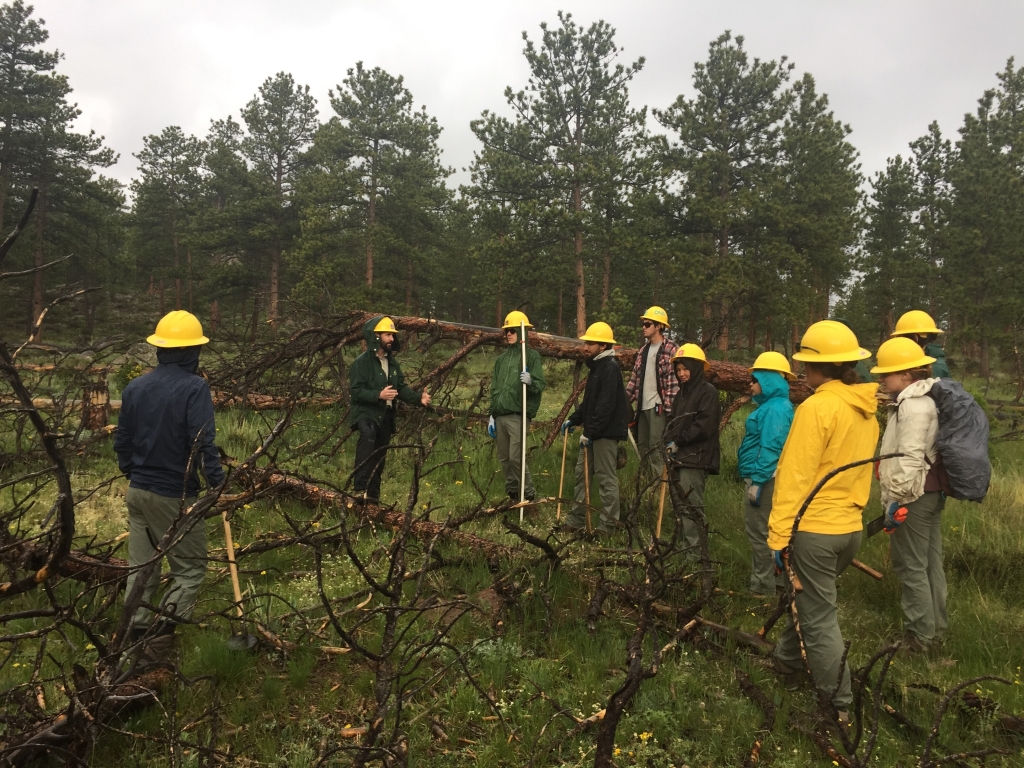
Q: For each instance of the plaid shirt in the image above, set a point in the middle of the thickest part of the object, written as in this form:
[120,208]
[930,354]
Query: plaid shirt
[668,384]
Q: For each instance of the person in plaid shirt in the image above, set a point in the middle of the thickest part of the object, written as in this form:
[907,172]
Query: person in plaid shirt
[653,386]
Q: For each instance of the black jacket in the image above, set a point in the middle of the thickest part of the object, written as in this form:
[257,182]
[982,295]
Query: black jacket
[693,424]
[604,412]
[163,414]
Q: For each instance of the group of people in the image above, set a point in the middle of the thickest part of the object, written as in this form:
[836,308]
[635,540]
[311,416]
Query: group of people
[166,432]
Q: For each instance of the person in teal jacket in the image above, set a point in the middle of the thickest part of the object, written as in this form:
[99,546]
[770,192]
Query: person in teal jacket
[766,431]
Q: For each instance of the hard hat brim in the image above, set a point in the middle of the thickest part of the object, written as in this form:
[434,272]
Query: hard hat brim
[838,357]
[926,360]
[783,371]
[515,326]
[655,320]
[680,358]
[597,340]
[918,329]
[164,343]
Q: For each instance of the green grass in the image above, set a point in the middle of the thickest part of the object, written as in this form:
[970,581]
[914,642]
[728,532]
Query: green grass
[278,711]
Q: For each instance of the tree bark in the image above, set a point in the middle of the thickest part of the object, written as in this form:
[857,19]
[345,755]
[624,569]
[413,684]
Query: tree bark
[371,215]
[177,263]
[581,285]
[38,261]
[606,280]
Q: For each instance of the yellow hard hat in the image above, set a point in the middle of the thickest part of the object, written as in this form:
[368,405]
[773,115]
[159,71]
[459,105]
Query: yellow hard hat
[515,318]
[385,325]
[900,354]
[656,315]
[178,329]
[915,321]
[599,332]
[829,341]
[773,361]
[694,352]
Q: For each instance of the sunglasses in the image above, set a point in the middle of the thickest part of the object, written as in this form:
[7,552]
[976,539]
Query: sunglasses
[511,332]
[647,324]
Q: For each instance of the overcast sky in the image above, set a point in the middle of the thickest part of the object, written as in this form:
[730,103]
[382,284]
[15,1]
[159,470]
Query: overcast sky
[889,68]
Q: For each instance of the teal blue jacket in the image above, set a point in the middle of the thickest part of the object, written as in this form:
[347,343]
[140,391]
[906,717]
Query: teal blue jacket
[766,429]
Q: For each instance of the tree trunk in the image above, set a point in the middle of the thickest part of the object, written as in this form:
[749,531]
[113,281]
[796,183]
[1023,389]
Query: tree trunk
[581,285]
[752,333]
[705,311]
[561,322]
[275,272]
[408,286]
[983,359]
[214,316]
[606,280]
[38,261]
[500,318]
[189,257]
[163,301]
[371,217]
[177,264]
[254,321]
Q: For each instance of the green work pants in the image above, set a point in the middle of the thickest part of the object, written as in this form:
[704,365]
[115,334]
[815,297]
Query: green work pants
[818,559]
[509,435]
[602,456]
[650,426]
[692,480]
[149,517]
[916,550]
[763,578]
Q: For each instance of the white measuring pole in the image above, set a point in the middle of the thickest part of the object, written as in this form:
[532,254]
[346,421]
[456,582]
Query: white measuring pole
[522,455]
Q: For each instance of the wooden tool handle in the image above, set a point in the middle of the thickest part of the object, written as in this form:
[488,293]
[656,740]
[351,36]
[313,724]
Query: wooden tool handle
[791,571]
[661,504]
[232,567]
[866,568]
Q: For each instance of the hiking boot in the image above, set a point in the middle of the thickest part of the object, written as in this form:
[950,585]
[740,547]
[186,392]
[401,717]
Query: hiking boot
[843,716]
[791,678]
[159,650]
[914,644]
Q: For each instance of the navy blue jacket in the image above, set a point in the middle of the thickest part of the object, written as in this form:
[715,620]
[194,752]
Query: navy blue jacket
[163,414]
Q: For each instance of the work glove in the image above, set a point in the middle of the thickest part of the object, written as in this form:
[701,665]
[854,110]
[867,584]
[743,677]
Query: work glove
[754,495]
[672,448]
[585,441]
[895,515]
[567,426]
[491,429]
[526,378]
[780,563]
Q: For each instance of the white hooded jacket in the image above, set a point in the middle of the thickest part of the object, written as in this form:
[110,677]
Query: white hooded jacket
[911,430]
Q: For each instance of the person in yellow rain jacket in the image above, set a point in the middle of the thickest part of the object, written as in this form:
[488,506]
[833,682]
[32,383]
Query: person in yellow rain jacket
[834,426]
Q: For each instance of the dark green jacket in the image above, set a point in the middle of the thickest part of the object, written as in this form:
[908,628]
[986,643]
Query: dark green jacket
[863,373]
[366,379]
[940,369]
[507,390]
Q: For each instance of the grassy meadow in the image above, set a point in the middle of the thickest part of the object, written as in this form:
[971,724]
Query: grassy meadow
[283,711]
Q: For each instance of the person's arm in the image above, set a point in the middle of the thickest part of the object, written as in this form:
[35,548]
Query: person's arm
[632,388]
[775,424]
[360,382]
[202,432]
[536,369]
[906,480]
[124,437]
[798,468]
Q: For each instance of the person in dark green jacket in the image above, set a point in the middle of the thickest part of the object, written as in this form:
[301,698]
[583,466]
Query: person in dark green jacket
[506,423]
[375,383]
[919,327]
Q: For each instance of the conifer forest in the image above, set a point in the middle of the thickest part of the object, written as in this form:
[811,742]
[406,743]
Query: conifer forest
[448,623]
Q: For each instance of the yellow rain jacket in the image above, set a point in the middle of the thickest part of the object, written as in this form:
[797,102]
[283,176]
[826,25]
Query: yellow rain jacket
[834,426]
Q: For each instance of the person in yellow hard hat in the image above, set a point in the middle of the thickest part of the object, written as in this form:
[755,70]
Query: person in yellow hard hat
[833,427]
[653,386]
[604,416]
[691,437]
[164,442]
[919,327]
[913,491]
[506,422]
[375,382]
[765,433]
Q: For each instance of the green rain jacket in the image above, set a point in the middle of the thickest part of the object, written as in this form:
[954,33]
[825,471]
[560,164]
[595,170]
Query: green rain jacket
[366,379]
[507,390]
[940,369]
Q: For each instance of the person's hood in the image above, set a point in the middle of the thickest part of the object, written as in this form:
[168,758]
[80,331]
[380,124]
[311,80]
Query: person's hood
[935,350]
[772,385]
[696,369]
[610,352]
[372,339]
[183,357]
[860,397]
[916,389]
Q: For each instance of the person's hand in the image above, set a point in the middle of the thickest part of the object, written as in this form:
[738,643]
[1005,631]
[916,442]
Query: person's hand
[895,515]
[526,378]
[425,398]
[491,430]
[585,441]
[567,426]
[754,495]
[388,393]
[672,448]
[778,555]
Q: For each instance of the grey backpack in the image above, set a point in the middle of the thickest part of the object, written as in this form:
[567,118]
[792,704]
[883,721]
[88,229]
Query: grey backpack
[962,440]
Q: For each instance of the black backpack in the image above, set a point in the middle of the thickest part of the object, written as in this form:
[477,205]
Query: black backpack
[962,440]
